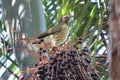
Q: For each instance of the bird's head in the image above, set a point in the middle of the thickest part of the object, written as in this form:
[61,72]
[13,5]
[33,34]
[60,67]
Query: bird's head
[66,18]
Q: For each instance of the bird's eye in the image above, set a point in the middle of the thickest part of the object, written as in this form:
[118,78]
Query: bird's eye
[66,17]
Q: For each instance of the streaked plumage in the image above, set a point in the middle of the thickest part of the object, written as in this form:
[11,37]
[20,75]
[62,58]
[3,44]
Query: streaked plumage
[56,35]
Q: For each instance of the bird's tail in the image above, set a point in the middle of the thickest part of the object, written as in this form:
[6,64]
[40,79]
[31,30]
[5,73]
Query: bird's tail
[29,43]
[31,40]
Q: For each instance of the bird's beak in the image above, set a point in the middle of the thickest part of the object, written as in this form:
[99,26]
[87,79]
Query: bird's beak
[71,16]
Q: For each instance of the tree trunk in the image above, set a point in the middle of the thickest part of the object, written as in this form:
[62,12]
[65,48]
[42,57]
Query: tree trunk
[114,19]
[23,17]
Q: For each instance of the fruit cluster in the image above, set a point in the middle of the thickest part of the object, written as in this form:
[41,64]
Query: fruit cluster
[68,63]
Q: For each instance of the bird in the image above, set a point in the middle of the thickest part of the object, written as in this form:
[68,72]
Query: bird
[56,35]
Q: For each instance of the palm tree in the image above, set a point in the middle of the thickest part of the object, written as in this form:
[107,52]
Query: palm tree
[90,22]
[25,18]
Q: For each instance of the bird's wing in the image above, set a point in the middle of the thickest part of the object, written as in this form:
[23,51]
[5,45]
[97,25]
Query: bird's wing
[51,31]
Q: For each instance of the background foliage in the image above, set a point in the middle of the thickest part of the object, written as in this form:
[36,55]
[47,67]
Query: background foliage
[90,22]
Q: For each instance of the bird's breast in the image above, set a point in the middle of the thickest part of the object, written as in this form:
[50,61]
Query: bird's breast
[61,37]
